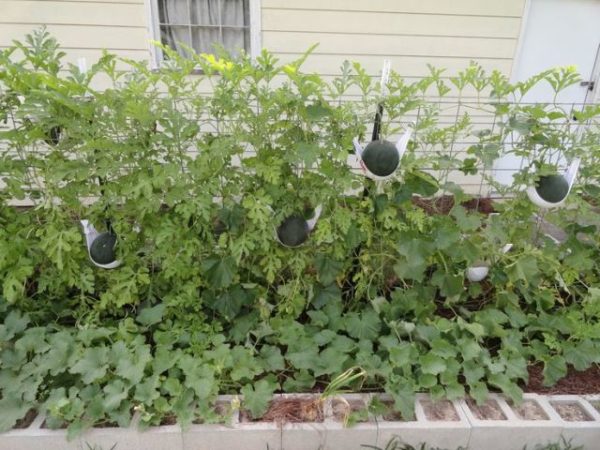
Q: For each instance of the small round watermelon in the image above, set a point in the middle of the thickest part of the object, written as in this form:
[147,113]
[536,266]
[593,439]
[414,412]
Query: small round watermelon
[381,157]
[552,188]
[102,250]
[53,135]
[293,231]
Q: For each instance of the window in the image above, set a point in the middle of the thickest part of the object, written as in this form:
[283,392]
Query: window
[205,24]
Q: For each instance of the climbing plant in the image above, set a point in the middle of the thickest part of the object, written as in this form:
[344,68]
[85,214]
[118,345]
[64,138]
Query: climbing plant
[199,171]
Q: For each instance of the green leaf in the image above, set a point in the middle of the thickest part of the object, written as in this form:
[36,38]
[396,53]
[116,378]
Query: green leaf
[469,349]
[147,391]
[317,111]
[14,323]
[455,391]
[525,268]
[479,392]
[326,295]
[450,285]
[272,358]
[92,365]
[404,397]
[151,316]
[132,367]
[13,409]
[427,380]
[303,359]
[327,268]
[257,396]
[400,354]
[302,381]
[443,348]
[580,356]
[508,387]
[363,326]
[115,392]
[307,152]
[555,368]
[432,364]
[219,272]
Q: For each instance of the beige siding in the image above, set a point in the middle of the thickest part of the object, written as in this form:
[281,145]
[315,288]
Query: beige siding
[83,28]
[411,33]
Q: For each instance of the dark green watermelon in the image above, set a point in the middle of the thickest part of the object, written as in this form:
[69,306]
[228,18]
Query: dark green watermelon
[102,250]
[53,135]
[293,231]
[552,188]
[381,157]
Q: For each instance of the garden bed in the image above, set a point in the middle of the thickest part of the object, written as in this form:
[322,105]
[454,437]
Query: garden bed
[147,280]
[288,426]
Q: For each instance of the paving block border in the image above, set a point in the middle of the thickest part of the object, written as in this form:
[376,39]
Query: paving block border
[332,434]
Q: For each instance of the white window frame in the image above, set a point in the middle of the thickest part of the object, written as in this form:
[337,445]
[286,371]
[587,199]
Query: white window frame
[156,53]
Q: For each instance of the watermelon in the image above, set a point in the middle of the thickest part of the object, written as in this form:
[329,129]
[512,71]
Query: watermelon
[53,135]
[102,250]
[552,188]
[381,158]
[293,231]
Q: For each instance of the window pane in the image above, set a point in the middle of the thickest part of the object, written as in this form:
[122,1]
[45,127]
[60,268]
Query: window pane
[204,38]
[205,24]
[234,12]
[174,12]
[173,36]
[233,40]
[205,12]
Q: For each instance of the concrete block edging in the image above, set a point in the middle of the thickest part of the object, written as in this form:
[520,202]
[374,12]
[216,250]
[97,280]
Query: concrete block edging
[464,429]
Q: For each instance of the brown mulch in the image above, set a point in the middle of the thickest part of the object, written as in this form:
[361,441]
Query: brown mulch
[490,410]
[443,204]
[290,410]
[585,382]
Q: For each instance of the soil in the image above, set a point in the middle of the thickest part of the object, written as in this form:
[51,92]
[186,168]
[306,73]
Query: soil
[578,383]
[440,411]
[529,410]
[106,424]
[443,204]
[571,411]
[27,420]
[289,410]
[343,408]
[490,410]
[596,404]
[170,419]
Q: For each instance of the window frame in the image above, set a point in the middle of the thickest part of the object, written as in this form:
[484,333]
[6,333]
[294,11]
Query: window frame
[156,53]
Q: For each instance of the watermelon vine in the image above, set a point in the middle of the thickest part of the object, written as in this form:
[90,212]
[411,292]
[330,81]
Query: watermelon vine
[201,171]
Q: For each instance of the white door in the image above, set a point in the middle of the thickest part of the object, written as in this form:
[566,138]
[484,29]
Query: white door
[560,33]
[556,33]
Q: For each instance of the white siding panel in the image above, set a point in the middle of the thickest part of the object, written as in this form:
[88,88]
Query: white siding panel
[82,36]
[355,22]
[344,44]
[463,7]
[72,13]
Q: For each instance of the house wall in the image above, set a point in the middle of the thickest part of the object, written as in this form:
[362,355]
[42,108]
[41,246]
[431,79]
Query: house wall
[412,33]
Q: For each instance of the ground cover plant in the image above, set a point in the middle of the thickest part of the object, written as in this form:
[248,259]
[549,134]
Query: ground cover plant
[192,186]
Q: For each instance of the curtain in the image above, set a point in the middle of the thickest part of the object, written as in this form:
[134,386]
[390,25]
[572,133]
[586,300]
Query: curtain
[174,19]
[234,14]
[203,23]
